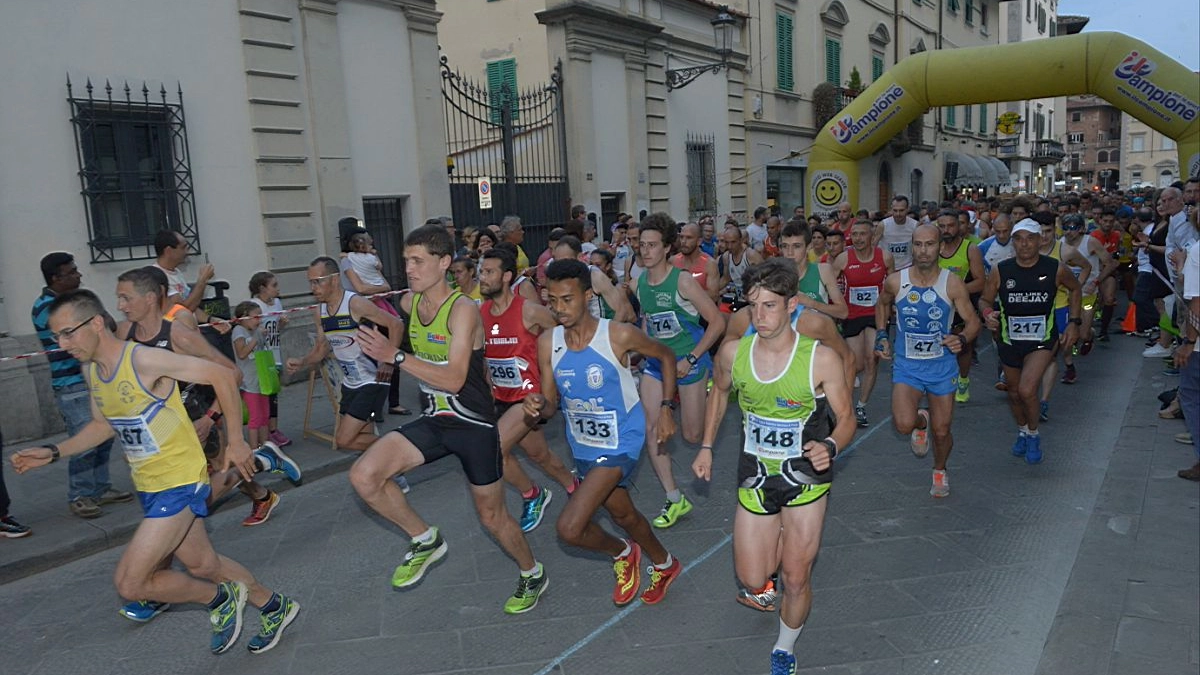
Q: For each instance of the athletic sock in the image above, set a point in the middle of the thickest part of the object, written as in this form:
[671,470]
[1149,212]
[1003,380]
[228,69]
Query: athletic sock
[628,549]
[787,637]
[674,496]
[1024,429]
[273,604]
[535,571]
[666,563]
[220,598]
[425,537]
[1032,432]
[533,492]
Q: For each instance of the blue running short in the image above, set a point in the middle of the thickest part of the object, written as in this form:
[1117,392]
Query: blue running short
[169,502]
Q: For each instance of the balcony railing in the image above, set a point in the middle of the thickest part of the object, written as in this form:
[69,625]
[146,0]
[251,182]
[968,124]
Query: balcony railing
[1048,150]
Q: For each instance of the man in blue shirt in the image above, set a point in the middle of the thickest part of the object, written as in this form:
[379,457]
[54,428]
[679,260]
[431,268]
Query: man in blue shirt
[88,486]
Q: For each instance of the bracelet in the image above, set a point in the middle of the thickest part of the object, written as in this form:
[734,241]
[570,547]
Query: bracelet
[832,444]
[706,447]
[54,453]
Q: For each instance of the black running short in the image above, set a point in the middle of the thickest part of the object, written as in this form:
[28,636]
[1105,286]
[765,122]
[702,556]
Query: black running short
[503,406]
[852,327]
[477,446]
[365,403]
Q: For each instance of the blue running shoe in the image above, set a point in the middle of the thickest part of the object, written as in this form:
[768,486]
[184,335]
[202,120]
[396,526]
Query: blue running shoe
[273,624]
[1044,411]
[533,510]
[1019,448]
[226,619]
[142,611]
[1033,449]
[783,663]
[273,460]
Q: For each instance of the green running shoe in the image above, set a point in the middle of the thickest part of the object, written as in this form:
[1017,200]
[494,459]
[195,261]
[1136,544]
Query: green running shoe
[672,512]
[226,619]
[273,624]
[529,591]
[418,559]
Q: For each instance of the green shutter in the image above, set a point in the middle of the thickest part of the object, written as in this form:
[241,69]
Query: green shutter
[950,116]
[499,73]
[983,127]
[833,62]
[876,67]
[784,77]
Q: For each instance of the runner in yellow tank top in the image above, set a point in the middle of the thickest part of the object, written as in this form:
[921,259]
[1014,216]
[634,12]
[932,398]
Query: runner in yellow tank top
[134,395]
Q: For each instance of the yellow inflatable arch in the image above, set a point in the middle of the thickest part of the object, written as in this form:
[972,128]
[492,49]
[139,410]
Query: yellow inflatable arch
[1126,72]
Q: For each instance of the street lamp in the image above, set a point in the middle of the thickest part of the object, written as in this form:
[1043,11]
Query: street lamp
[723,26]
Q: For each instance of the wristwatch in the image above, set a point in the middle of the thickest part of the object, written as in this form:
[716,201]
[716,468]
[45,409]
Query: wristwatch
[213,415]
[1075,320]
[691,358]
[54,453]
[398,358]
[669,403]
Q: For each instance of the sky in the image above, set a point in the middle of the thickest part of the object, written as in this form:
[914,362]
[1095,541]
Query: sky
[1170,26]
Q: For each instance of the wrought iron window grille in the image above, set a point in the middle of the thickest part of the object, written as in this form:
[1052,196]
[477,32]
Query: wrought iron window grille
[701,173]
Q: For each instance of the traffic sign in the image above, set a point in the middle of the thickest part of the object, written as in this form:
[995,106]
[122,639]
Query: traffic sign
[485,192]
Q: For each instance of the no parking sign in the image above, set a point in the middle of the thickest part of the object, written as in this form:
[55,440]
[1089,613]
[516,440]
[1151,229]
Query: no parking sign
[485,192]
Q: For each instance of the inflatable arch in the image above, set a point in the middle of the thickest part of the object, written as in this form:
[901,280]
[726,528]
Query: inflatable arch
[1131,75]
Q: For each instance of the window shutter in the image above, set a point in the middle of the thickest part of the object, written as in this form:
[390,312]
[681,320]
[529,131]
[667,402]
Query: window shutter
[833,62]
[499,73]
[950,116]
[983,118]
[784,78]
[876,67]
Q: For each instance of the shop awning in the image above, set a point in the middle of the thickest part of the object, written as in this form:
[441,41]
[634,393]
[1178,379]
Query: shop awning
[968,171]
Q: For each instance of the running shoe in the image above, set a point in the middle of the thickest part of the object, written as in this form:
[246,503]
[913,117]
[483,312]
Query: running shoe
[272,459]
[273,624]
[11,529]
[1156,351]
[941,484]
[1044,411]
[763,600]
[1069,375]
[918,440]
[261,510]
[1021,445]
[673,511]
[1001,383]
[1102,337]
[278,438]
[963,392]
[1033,449]
[226,619]
[783,663]
[142,611]
[533,509]
[660,581]
[418,559]
[529,591]
[1086,347]
[860,415]
[629,575]
[402,482]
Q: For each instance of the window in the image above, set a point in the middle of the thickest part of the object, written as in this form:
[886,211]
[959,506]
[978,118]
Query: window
[952,6]
[914,185]
[1137,143]
[1075,138]
[1102,157]
[983,118]
[1114,156]
[1135,176]
[833,61]
[1039,125]
[1101,136]
[970,12]
[983,17]
[1167,144]
[950,117]
[1042,18]
[133,171]
[967,121]
[876,66]
[784,77]
[701,173]
[1028,10]
[502,84]
[1074,161]
[1076,116]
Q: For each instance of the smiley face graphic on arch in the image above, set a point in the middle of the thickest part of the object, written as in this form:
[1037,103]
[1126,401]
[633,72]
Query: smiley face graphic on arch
[829,188]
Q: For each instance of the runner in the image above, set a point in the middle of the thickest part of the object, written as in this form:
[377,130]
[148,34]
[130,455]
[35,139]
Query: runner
[733,263]
[995,249]
[818,283]
[1110,240]
[606,426]
[895,233]
[1102,266]
[672,305]
[787,385]
[512,325]
[1081,268]
[691,259]
[1029,331]
[926,297]
[963,259]
[459,418]
[865,267]
[134,396]
[365,382]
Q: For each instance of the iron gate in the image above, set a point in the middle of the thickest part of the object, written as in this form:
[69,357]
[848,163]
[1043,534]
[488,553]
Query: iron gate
[518,140]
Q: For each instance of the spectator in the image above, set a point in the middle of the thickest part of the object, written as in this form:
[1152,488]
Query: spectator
[9,527]
[758,229]
[548,255]
[264,292]
[171,250]
[88,485]
[246,340]
[1186,358]
[512,232]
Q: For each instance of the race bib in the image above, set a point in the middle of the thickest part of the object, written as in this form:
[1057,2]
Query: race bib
[923,345]
[664,325]
[773,438]
[595,428]
[898,249]
[1027,328]
[350,371]
[864,296]
[135,435]
[506,373]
